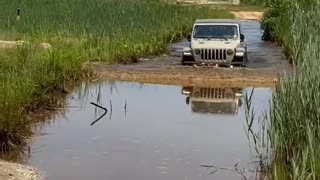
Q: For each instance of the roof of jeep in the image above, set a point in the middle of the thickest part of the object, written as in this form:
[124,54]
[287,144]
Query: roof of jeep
[232,21]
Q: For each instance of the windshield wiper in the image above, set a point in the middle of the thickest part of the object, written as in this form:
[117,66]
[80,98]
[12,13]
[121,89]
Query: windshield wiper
[209,37]
[214,37]
[224,38]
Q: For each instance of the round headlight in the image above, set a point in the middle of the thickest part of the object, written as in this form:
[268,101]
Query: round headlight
[197,52]
[229,52]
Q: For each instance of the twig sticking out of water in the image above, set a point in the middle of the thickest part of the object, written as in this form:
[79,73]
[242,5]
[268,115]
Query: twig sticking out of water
[250,115]
[110,110]
[235,169]
[29,151]
[125,108]
[172,38]
[104,113]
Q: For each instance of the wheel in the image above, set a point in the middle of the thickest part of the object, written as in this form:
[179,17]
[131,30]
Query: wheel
[241,61]
[244,61]
[188,100]
[187,60]
[183,62]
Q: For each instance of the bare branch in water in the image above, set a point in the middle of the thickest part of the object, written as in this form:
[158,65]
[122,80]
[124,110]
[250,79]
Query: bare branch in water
[207,166]
[105,112]
[125,108]
[110,110]
[236,169]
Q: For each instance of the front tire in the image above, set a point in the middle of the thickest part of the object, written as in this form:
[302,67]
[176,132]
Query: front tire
[245,60]
[187,60]
[240,61]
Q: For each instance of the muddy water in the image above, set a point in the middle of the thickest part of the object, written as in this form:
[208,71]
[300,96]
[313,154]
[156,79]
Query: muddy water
[153,132]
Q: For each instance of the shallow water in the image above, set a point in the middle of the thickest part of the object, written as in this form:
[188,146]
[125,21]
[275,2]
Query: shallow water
[154,132]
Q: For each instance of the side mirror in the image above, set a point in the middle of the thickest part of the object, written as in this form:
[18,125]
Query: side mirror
[242,37]
[189,37]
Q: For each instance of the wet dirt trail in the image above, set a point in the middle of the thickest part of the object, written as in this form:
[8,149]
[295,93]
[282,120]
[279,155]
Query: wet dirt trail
[266,64]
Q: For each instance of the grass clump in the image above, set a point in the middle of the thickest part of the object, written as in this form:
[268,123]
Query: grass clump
[295,115]
[79,31]
[28,81]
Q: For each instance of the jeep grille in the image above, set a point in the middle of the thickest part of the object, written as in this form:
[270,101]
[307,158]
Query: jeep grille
[213,54]
[212,93]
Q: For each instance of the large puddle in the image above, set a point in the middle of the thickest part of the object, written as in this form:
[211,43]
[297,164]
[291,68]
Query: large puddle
[153,132]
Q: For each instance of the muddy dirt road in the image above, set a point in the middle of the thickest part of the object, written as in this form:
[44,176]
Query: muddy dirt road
[266,64]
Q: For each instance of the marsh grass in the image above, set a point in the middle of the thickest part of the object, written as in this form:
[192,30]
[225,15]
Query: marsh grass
[295,114]
[105,30]
[29,81]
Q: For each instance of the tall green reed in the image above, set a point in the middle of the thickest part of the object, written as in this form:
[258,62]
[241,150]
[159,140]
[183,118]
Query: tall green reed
[295,114]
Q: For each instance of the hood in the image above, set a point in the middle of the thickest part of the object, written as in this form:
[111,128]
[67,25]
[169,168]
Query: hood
[214,43]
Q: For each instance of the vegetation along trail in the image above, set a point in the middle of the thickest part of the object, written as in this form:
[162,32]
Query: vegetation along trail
[294,119]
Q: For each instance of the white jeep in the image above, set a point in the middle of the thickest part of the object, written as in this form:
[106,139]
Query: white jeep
[216,41]
[225,100]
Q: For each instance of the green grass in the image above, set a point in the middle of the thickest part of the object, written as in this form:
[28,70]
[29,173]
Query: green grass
[79,31]
[28,79]
[295,115]
[106,30]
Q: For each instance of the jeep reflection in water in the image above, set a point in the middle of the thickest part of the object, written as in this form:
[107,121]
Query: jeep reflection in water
[213,100]
[216,42]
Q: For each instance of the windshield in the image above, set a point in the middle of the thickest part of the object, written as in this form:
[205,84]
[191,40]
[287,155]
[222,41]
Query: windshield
[215,31]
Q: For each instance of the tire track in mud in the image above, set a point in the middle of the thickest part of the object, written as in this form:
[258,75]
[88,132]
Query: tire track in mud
[266,65]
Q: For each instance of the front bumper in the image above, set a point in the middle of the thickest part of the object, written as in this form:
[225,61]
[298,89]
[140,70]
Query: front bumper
[214,56]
